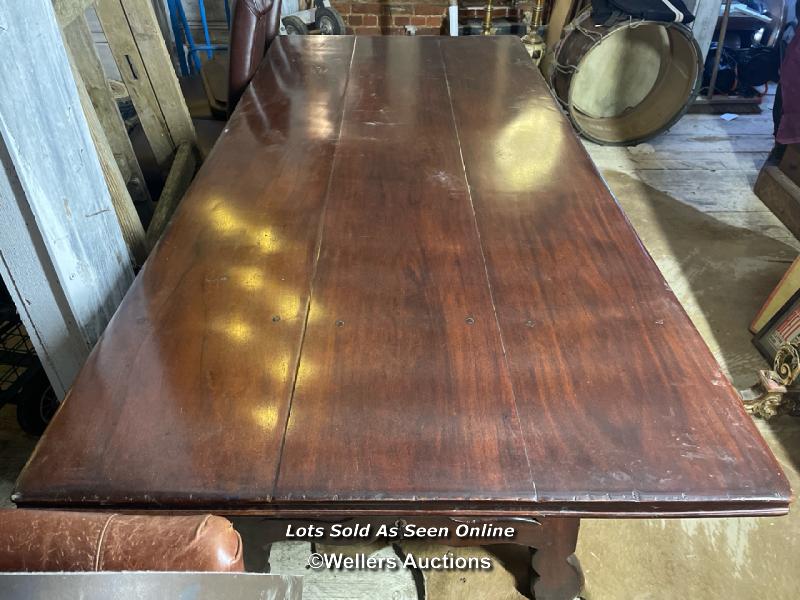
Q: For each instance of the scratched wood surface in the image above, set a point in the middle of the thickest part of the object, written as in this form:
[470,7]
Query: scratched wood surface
[185,397]
[615,388]
[401,290]
[399,285]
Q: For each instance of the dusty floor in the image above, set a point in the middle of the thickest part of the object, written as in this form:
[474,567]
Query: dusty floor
[688,196]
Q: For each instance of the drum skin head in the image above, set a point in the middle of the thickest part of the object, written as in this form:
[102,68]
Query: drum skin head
[628,82]
[618,74]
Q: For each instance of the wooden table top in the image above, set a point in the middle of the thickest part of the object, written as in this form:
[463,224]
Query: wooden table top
[399,284]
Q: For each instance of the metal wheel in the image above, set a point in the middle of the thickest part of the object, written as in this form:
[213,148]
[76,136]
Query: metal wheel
[329,22]
[294,25]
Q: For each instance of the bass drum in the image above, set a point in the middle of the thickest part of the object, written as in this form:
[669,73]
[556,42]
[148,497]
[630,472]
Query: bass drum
[626,82]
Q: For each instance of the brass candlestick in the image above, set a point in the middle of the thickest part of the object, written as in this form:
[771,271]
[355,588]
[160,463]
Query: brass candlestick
[487,19]
[537,17]
[534,42]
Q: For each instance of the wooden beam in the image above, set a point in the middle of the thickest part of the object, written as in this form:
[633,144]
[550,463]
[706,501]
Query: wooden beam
[790,163]
[135,40]
[134,75]
[87,66]
[69,10]
[144,24]
[180,176]
[128,218]
[706,15]
[162,15]
[32,282]
[63,256]
[781,195]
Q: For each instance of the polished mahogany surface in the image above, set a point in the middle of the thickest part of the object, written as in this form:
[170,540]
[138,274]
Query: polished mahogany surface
[399,284]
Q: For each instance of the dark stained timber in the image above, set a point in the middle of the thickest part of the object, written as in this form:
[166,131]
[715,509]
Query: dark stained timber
[409,396]
[185,398]
[398,286]
[620,400]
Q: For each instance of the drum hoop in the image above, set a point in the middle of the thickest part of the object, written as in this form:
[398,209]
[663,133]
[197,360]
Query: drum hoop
[596,39]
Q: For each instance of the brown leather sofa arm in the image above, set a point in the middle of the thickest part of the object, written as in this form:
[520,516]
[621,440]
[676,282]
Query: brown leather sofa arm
[45,540]
[254,24]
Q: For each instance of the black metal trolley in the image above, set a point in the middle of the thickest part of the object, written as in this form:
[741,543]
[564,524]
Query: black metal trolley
[23,381]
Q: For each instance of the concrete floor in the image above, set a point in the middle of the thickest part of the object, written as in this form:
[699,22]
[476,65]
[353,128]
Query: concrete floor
[688,196]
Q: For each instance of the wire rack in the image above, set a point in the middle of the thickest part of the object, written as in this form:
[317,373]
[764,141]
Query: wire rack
[17,357]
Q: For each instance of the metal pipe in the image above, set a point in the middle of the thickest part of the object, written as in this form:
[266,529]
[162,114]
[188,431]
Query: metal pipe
[189,38]
[178,35]
[202,6]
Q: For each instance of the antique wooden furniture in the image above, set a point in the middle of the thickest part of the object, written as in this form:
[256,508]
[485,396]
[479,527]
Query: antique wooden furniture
[778,187]
[399,289]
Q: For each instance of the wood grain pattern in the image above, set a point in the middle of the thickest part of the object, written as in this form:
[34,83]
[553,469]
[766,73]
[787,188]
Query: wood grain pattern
[401,326]
[180,176]
[128,218]
[133,70]
[182,401]
[620,399]
[62,255]
[87,65]
[482,331]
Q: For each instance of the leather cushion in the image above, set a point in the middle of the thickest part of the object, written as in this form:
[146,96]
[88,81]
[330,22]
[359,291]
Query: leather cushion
[45,540]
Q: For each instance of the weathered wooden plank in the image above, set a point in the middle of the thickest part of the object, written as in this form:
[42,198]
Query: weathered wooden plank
[697,124]
[714,143]
[708,191]
[180,176]
[648,159]
[146,32]
[55,186]
[114,149]
[763,222]
[183,374]
[790,163]
[87,66]
[135,76]
[706,13]
[128,218]
[33,285]
[400,282]
[163,18]
[69,10]
[572,286]
[781,195]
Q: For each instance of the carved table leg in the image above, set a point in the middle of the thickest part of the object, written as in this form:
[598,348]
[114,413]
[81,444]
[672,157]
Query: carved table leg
[557,573]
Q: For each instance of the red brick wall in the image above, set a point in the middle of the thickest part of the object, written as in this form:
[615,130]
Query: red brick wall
[389,17]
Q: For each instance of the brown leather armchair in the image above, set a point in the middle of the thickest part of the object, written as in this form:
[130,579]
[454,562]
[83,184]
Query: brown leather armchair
[50,540]
[254,24]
